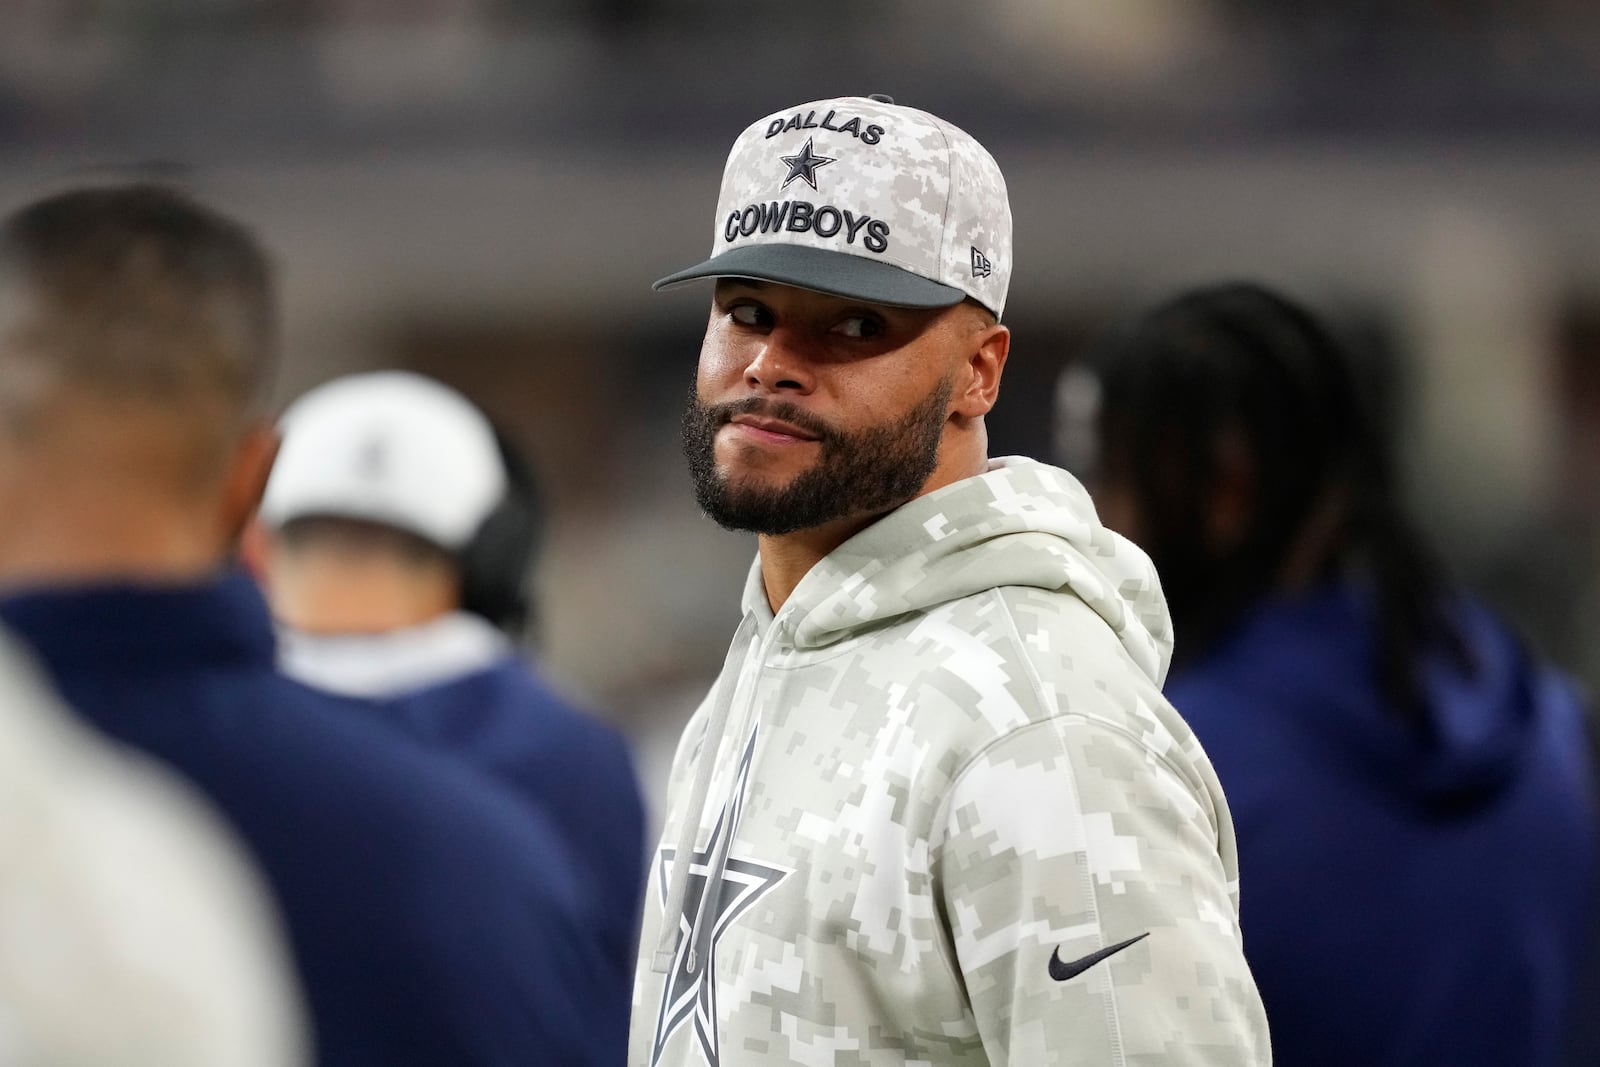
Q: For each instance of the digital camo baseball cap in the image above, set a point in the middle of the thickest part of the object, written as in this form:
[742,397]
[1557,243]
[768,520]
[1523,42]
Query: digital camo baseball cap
[389,447]
[865,198]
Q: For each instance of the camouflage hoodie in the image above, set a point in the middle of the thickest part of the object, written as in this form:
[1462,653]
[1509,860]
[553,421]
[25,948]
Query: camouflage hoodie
[936,811]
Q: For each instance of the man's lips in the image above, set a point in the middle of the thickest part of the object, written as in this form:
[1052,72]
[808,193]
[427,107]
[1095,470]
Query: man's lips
[770,429]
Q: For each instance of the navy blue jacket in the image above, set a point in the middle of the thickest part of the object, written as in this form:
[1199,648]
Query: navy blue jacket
[569,765]
[432,915]
[1406,897]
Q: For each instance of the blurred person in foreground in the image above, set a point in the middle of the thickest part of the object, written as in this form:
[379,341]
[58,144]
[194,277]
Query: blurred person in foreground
[181,966]
[1411,787]
[935,809]
[432,916]
[396,539]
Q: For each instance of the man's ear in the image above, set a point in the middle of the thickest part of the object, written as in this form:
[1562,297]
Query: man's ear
[257,547]
[980,387]
[247,479]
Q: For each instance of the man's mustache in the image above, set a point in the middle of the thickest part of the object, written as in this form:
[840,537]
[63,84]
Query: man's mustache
[719,414]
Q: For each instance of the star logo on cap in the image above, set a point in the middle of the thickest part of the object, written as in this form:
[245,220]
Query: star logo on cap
[804,164]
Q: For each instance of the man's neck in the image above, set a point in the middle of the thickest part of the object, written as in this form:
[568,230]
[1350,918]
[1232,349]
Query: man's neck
[334,592]
[788,558]
[72,539]
[111,488]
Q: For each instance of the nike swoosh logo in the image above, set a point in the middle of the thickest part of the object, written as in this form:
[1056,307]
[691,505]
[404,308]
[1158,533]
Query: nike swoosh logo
[1063,972]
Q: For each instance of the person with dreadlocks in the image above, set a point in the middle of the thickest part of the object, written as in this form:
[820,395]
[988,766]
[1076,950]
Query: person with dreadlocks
[1412,790]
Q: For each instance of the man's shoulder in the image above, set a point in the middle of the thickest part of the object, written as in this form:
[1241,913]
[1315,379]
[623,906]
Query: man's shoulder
[985,673]
[274,750]
[514,694]
[1054,653]
[330,732]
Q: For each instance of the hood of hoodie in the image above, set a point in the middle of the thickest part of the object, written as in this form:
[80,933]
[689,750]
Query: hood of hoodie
[1483,719]
[1314,656]
[1020,523]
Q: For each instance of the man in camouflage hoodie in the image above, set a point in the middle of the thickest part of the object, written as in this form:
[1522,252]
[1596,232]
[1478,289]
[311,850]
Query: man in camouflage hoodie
[935,809]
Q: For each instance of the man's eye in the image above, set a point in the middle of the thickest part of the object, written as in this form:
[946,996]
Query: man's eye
[860,326]
[747,315]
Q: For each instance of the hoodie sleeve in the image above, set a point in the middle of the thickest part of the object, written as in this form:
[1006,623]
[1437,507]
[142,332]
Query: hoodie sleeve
[1091,909]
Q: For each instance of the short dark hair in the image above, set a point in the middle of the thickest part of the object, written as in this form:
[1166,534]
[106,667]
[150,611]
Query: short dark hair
[140,289]
[364,537]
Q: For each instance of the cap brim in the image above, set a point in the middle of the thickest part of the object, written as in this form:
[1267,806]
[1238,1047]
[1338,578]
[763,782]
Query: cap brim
[822,271]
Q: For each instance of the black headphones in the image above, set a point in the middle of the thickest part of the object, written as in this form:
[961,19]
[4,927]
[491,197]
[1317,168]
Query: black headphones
[497,564]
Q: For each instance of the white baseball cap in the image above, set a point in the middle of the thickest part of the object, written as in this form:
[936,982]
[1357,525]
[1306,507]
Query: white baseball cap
[862,197]
[389,447]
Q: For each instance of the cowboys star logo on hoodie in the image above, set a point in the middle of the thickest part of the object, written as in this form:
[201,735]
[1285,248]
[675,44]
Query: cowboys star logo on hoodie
[691,983]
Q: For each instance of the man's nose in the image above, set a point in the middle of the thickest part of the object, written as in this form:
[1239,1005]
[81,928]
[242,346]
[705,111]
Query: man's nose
[781,364]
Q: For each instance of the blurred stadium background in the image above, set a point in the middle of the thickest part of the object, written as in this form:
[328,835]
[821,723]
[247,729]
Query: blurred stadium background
[484,189]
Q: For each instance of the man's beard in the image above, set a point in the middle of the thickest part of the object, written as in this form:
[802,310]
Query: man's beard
[861,473]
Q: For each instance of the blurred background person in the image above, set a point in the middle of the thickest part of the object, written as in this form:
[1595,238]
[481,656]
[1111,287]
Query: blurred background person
[395,540]
[433,918]
[1413,788]
[178,965]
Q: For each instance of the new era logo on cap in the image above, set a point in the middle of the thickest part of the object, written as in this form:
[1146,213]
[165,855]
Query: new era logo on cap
[861,197]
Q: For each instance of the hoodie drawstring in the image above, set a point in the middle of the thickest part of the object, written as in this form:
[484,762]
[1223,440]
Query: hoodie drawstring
[683,854]
[704,917]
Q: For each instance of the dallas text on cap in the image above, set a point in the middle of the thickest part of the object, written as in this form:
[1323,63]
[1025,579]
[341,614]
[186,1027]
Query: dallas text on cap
[869,135]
